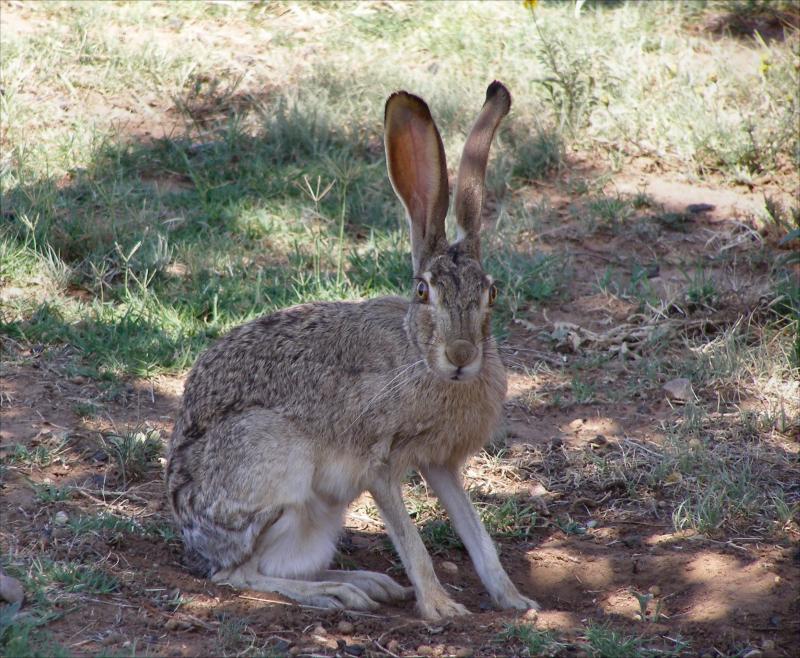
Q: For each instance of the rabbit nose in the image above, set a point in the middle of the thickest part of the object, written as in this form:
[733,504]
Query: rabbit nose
[460,352]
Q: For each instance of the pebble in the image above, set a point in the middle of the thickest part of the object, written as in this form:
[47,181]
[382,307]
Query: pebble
[425,650]
[61,518]
[679,389]
[530,614]
[449,567]
[767,645]
[11,589]
[354,649]
[112,638]
[655,590]
[464,652]
[345,627]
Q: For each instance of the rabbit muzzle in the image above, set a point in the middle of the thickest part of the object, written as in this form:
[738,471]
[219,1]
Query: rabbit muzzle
[461,360]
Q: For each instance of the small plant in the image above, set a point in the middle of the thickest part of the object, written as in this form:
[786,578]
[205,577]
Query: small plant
[583,392]
[570,526]
[604,642]
[536,642]
[608,211]
[133,451]
[644,603]
[86,409]
[80,578]
[570,83]
[701,290]
[50,493]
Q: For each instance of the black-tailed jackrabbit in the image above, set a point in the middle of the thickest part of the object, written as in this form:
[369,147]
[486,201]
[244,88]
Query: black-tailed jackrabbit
[288,418]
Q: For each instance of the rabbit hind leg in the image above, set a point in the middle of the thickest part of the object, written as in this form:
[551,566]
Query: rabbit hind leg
[291,555]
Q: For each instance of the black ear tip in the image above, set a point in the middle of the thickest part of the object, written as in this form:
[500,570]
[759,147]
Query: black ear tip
[498,89]
[409,101]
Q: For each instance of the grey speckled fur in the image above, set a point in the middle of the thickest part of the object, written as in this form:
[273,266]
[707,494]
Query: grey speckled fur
[289,417]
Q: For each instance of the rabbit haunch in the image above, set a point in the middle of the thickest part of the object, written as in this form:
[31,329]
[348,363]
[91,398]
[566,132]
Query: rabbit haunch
[288,418]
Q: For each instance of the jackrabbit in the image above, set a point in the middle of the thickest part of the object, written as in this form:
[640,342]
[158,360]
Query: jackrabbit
[288,418]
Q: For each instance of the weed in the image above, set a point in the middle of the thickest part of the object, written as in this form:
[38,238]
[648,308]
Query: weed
[604,642]
[50,493]
[21,638]
[570,526]
[81,578]
[537,643]
[608,212]
[133,451]
[701,290]
[583,392]
[569,82]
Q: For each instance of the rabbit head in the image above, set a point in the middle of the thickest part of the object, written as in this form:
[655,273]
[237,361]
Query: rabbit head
[449,318]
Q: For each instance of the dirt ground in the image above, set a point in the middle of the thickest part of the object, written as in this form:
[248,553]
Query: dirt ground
[720,594]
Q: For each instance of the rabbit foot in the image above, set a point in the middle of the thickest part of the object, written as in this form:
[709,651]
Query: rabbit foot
[338,595]
[514,600]
[438,606]
[325,594]
[377,586]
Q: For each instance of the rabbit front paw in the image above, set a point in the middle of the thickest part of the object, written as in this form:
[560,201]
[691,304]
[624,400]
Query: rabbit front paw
[514,600]
[438,605]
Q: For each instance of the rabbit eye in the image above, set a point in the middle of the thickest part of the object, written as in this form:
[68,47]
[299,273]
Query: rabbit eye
[422,291]
[492,294]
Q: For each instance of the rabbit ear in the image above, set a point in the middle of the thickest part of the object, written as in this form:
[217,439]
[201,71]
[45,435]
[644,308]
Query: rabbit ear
[472,170]
[416,162]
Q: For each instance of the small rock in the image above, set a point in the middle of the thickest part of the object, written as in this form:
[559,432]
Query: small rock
[295,650]
[464,652]
[11,589]
[449,567]
[393,646]
[173,624]
[280,646]
[680,389]
[655,590]
[354,649]
[699,207]
[777,580]
[767,645]
[112,638]
[345,627]
[60,518]
[530,614]
[425,650]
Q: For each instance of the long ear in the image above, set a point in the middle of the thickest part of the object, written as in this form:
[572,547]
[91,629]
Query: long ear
[472,170]
[416,162]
